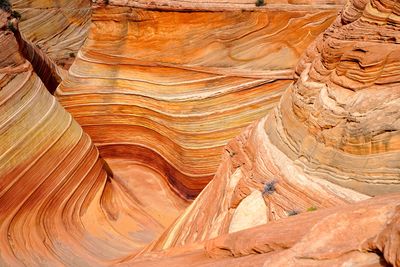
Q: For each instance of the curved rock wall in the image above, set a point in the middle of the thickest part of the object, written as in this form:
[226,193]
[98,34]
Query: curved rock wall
[168,89]
[48,72]
[161,100]
[332,140]
[60,204]
[340,120]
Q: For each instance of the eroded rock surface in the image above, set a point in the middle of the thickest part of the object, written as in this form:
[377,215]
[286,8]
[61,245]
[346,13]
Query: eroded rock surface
[333,139]
[60,204]
[224,5]
[312,183]
[168,88]
[329,237]
[57,27]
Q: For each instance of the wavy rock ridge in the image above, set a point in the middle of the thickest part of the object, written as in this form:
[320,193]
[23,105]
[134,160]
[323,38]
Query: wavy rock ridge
[60,203]
[332,140]
[168,89]
[326,157]
[58,27]
[49,73]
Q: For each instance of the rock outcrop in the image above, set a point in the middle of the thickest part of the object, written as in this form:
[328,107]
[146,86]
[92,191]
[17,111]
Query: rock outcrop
[49,73]
[225,5]
[160,87]
[60,204]
[168,88]
[58,27]
[350,235]
[332,140]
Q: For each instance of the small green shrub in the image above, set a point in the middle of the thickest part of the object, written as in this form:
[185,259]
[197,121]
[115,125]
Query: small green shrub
[71,54]
[260,3]
[16,14]
[313,208]
[10,26]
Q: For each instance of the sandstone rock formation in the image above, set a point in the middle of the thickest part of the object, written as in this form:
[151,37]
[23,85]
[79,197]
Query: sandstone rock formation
[161,87]
[332,140]
[57,27]
[339,236]
[168,89]
[223,5]
[49,73]
[60,204]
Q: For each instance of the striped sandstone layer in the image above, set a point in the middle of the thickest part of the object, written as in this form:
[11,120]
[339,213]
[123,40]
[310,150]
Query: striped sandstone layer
[60,205]
[332,140]
[330,146]
[49,73]
[168,88]
[58,27]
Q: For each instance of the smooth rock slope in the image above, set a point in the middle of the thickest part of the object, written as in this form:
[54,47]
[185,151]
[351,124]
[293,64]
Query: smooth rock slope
[361,234]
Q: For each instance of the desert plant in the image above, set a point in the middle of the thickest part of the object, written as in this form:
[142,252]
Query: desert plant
[5,5]
[260,3]
[312,208]
[269,187]
[71,54]
[16,14]
[10,26]
[292,212]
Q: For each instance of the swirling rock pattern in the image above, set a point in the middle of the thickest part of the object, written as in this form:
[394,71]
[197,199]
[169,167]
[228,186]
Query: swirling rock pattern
[332,140]
[328,151]
[342,106]
[168,89]
[60,204]
[58,27]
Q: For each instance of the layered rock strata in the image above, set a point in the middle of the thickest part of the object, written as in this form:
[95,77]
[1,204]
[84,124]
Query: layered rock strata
[60,204]
[332,140]
[49,73]
[44,67]
[306,185]
[168,89]
[361,234]
[58,27]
